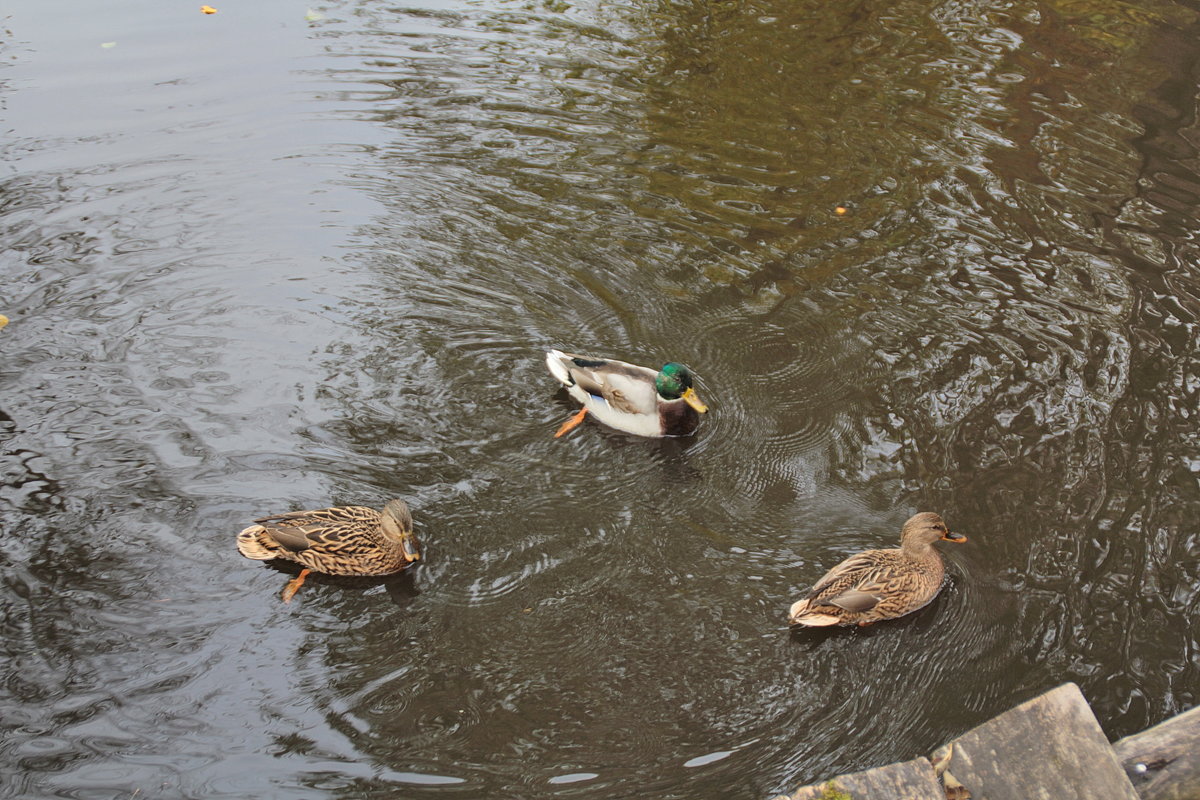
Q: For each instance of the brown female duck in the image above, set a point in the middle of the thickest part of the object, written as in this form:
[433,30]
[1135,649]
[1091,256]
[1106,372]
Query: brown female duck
[351,540]
[880,584]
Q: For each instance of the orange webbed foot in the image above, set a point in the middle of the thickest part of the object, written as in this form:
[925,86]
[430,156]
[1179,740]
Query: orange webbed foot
[572,423]
[294,585]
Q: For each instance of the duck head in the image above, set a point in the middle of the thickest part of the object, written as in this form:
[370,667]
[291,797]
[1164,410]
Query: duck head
[925,528]
[396,523]
[675,381]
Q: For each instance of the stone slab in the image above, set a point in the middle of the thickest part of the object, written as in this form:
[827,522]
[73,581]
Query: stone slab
[909,780]
[1049,748]
[1163,762]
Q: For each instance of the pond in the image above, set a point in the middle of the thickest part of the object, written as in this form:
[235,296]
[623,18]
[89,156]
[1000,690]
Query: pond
[920,255]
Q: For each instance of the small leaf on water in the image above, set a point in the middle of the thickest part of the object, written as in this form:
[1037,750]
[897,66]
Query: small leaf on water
[108,45]
[314,16]
[207,10]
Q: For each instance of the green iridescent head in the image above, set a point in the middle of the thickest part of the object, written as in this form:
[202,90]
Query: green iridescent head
[675,381]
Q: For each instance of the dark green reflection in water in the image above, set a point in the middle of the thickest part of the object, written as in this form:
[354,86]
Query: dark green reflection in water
[1001,327]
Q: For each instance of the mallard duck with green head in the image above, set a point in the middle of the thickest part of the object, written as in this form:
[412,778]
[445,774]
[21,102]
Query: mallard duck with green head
[628,397]
[348,540]
[880,584]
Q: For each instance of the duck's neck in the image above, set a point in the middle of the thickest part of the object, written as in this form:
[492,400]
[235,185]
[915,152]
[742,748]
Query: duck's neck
[918,551]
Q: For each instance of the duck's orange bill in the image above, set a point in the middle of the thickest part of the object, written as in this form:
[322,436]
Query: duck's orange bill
[694,401]
[954,537]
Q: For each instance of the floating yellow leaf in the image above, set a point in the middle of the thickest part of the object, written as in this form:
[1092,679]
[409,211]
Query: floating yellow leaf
[108,45]
[314,16]
[207,10]
[3,320]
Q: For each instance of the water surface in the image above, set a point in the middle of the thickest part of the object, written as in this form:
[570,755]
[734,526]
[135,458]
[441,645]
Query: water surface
[922,256]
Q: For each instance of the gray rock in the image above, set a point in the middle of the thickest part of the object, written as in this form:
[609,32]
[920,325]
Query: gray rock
[1163,762]
[910,780]
[1049,748]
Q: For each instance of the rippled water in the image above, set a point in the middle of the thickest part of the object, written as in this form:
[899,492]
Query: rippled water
[266,260]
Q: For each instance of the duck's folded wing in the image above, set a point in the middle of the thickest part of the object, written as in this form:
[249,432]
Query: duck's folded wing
[324,516]
[300,530]
[845,576]
[294,539]
[630,393]
[854,601]
[627,388]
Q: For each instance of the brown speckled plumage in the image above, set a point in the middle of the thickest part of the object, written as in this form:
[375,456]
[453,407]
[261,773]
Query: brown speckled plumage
[351,540]
[880,584]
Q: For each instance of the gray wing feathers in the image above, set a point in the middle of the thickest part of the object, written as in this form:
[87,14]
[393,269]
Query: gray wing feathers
[627,388]
[853,601]
[630,393]
[294,539]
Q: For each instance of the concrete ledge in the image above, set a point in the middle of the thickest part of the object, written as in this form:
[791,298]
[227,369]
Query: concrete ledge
[1163,762]
[910,780]
[1049,748]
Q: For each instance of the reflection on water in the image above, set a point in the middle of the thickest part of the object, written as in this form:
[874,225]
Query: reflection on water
[257,262]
